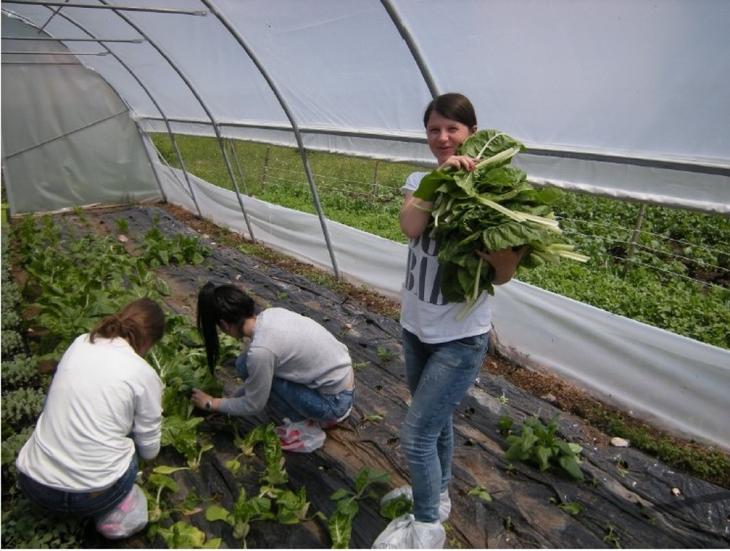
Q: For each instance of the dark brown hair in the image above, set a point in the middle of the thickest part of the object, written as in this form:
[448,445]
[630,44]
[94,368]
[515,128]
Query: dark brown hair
[454,106]
[140,322]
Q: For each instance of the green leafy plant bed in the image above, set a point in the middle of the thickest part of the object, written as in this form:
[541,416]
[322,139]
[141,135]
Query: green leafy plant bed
[64,283]
[539,444]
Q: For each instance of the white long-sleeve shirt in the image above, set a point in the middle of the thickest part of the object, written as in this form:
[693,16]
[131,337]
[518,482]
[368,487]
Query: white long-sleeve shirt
[100,394]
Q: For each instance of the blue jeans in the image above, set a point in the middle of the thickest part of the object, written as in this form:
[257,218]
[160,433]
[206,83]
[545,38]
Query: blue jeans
[298,402]
[82,504]
[438,377]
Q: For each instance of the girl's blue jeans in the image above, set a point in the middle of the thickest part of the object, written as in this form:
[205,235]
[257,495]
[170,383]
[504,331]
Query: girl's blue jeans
[438,377]
[82,504]
[299,402]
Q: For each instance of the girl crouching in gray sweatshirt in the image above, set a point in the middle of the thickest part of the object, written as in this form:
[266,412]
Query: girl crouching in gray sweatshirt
[293,364]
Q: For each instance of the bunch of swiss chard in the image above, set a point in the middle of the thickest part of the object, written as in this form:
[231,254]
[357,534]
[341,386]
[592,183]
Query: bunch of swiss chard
[488,209]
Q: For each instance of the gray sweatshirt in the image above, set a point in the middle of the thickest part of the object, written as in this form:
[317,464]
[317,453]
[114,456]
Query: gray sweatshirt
[292,347]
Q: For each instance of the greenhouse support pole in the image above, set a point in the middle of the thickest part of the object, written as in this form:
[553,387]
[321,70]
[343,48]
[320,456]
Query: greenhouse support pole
[67,134]
[346,132]
[39,52]
[202,104]
[412,47]
[297,134]
[107,52]
[52,39]
[54,12]
[104,6]
[152,99]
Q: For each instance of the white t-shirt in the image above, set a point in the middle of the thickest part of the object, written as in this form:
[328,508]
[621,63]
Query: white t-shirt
[100,393]
[424,311]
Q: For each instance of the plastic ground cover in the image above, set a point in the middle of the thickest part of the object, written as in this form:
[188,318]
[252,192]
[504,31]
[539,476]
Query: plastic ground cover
[627,497]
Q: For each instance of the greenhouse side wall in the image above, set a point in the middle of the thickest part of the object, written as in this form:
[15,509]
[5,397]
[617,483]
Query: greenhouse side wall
[676,382]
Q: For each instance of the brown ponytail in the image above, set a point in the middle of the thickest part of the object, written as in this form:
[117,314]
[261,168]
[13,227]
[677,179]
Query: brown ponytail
[140,322]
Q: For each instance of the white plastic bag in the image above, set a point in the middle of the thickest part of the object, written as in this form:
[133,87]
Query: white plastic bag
[302,436]
[127,518]
[405,532]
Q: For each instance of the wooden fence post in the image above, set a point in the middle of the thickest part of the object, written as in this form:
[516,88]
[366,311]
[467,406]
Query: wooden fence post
[637,230]
[375,178]
[266,167]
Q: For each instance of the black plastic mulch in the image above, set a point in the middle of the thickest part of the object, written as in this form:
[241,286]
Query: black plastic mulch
[627,499]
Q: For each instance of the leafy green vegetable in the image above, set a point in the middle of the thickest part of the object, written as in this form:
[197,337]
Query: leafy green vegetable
[492,208]
[339,523]
[273,501]
[572,507]
[394,508]
[538,444]
[481,493]
[182,535]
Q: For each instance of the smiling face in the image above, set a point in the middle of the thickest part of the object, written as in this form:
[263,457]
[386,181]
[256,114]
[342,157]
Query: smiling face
[445,135]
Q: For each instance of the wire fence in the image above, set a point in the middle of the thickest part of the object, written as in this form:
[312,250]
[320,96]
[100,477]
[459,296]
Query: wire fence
[632,260]
[612,226]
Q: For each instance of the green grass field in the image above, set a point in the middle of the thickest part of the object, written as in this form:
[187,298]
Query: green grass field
[675,275]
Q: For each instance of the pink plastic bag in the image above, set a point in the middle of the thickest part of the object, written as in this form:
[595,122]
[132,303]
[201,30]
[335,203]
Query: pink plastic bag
[302,436]
[127,518]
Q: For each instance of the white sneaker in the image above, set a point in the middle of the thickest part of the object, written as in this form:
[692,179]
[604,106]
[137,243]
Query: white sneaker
[407,491]
[405,532]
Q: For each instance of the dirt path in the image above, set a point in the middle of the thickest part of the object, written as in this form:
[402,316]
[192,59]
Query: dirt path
[627,500]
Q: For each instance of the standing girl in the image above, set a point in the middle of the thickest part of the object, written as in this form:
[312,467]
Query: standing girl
[443,351]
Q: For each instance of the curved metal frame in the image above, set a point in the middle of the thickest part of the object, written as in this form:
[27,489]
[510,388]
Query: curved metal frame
[157,178]
[412,46]
[67,4]
[389,6]
[152,99]
[302,151]
[192,89]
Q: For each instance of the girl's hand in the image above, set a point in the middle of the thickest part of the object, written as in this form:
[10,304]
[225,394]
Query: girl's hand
[504,262]
[203,401]
[459,162]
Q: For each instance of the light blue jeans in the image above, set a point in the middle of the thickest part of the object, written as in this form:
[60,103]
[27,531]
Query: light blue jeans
[438,377]
[299,402]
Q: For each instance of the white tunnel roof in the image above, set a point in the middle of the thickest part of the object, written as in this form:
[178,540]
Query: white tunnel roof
[621,98]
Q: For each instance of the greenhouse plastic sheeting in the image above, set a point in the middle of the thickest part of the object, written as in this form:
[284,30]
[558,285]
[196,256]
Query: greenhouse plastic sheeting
[296,233]
[619,98]
[67,137]
[678,382]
